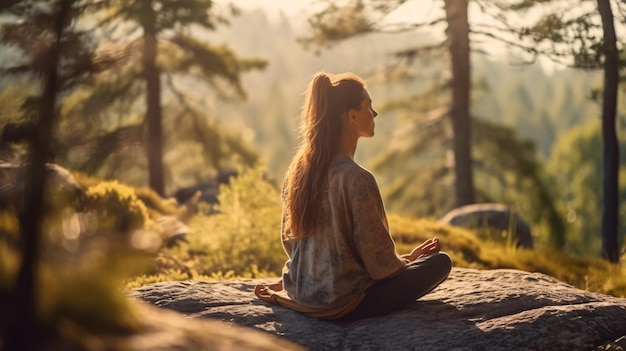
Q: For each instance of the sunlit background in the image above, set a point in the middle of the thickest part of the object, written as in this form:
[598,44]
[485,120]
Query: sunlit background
[227,91]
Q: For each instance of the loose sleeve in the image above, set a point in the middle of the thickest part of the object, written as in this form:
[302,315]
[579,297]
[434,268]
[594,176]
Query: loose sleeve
[371,236]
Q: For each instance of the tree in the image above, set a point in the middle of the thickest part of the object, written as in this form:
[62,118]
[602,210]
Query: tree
[166,27]
[586,37]
[25,33]
[610,224]
[330,25]
[492,149]
[115,67]
[459,49]
[23,333]
[507,167]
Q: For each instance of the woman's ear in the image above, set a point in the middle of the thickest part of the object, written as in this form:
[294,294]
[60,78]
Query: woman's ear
[352,115]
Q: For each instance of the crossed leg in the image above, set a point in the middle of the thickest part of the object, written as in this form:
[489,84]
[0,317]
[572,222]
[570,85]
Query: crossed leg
[392,294]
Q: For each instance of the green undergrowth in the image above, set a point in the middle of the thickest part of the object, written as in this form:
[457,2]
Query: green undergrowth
[212,254]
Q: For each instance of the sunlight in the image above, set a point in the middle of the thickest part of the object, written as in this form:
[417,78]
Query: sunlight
[147,147]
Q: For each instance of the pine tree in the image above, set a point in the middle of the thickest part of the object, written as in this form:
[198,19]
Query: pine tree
[583,37]
[329,25]
[26,31]
[23,333]
[169,48]
[115,66]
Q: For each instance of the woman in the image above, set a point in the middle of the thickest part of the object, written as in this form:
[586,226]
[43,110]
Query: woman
[342,260]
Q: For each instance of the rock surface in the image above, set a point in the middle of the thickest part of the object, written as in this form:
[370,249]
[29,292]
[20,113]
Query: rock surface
[162,330]
[472,310]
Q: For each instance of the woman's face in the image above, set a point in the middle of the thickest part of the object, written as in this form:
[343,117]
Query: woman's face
[364,117]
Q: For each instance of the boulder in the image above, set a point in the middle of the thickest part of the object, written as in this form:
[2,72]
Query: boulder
[472,310]
[13,176]
[493,217]
[209,188]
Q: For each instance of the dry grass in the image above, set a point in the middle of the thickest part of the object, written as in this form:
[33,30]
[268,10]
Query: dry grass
[467,250]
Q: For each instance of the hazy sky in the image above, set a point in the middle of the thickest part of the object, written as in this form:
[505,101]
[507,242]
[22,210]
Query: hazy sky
[298,10]
[413,11]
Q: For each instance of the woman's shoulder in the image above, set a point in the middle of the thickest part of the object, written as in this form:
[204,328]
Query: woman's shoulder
[346,169]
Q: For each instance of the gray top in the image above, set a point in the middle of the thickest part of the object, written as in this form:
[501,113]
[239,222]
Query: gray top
[351,246]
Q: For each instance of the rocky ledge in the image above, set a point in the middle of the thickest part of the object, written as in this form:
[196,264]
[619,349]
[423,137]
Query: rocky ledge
[472,310]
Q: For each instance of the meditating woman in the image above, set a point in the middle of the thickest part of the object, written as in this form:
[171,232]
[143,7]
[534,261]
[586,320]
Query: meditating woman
[342,259]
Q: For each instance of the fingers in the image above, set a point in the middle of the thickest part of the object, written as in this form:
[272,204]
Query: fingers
[428,247]
[425,244]
[433,246]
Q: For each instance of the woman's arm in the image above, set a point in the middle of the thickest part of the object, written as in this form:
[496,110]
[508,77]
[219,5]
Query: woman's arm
[371,236]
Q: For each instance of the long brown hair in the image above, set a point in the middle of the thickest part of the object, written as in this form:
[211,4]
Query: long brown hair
[328,98]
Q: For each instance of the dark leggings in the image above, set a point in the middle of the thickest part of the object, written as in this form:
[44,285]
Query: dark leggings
[392,294]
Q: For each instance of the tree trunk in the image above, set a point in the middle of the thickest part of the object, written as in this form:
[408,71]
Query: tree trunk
[610,246]
[24,331]
[458,41]
[154,143]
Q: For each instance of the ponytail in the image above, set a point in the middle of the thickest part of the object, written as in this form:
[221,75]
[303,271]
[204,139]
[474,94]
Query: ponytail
[317,100]
[321,127]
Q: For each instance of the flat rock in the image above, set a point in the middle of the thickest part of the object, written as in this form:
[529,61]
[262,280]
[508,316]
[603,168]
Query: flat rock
[471,310]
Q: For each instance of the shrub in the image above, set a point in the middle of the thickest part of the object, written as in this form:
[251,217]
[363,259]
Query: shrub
[241,240]
[117,206]
[85,253]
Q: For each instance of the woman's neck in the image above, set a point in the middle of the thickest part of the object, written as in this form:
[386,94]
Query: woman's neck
[347,146]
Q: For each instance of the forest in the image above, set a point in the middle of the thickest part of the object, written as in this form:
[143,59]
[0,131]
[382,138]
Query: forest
[113,114]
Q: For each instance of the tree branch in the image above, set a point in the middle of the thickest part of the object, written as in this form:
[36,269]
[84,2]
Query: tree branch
[553,55]
[406,27]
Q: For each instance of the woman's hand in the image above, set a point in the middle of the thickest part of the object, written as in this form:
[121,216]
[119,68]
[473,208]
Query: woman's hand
[428,247]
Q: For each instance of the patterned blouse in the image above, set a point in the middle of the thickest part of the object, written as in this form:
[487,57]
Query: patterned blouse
[351,246]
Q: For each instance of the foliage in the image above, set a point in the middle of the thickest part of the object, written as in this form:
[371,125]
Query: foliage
[86,252]
[562,32]
[101,116]
[427,194]
[119,203]
[170,48]
[584,36]
[507,170]
[577,172]
[242,240]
